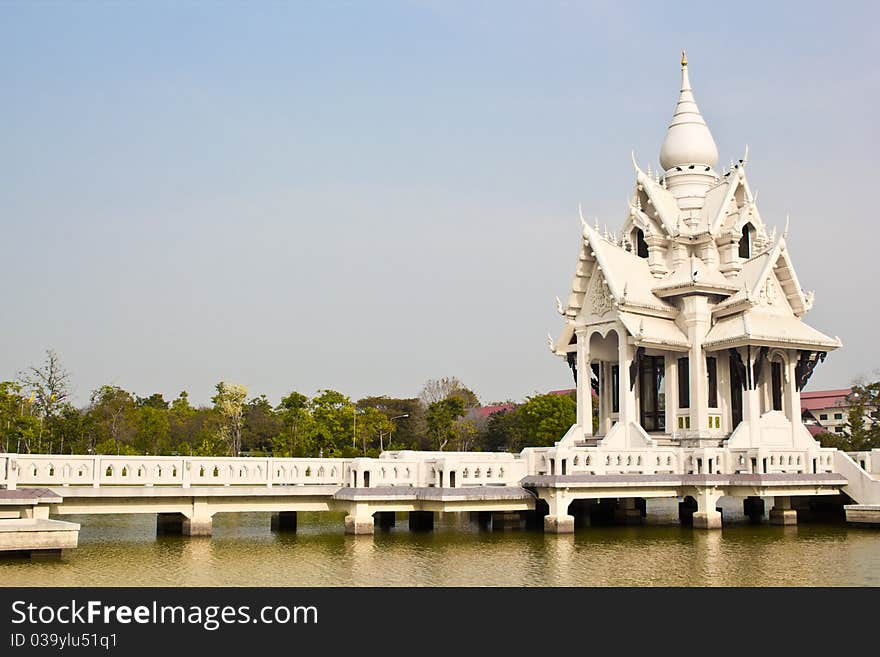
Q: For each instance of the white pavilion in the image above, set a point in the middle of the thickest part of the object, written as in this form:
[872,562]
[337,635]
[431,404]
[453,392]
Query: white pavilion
[688,324]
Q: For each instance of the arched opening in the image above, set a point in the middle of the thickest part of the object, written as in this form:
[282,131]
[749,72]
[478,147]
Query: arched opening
[641,244]
[745,241]
[604,353]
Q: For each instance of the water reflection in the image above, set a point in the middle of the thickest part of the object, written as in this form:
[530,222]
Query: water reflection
[125,551]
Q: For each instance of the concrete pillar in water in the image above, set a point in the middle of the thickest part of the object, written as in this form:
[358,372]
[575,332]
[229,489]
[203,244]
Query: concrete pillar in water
[359,520]
[782,513]
[707,516]
[284,521]
[202,526]
[198,522]
[558,521]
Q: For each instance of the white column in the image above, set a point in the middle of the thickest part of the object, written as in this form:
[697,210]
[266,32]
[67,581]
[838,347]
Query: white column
[751,398]
[604,399]
[722,370]
[792,395]
[697,316]
[671,382]
[584,389]
[627,393]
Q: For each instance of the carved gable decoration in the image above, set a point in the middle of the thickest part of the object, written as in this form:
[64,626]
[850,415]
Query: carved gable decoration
[772,296]
[599,299]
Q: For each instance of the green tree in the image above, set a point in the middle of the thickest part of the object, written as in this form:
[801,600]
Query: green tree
[408,419]
[440,420]
[111,410]
[261,426]
[334,424]
[297,426]
[546,418]
[19,423]
[152,430]
[156,400]
[372,424]
[504,432]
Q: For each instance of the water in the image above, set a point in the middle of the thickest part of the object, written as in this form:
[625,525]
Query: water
[125,551]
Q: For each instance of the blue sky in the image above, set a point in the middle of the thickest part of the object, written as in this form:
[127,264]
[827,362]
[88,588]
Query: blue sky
[366,195]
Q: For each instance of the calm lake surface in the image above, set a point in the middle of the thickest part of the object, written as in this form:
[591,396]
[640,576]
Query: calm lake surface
[125,551]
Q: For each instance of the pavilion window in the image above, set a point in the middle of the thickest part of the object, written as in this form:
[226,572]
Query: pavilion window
[712,374]
[684,383]
[641,244]
[615,389]
[776,383]
[745,242]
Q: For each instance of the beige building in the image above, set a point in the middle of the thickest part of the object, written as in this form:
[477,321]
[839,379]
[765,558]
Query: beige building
[828,411]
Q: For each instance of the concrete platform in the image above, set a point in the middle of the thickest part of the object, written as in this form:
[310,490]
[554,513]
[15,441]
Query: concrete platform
[863,514]
[37,534]
[28,497]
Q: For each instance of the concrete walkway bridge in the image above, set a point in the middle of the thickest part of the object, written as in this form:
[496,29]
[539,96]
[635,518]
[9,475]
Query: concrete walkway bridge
[550,487]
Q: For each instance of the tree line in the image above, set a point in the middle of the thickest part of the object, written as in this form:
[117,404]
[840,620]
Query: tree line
[37,416]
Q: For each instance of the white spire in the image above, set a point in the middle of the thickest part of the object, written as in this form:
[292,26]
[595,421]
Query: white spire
[688,140]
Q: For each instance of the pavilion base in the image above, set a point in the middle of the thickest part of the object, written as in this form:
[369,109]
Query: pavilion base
[37,536]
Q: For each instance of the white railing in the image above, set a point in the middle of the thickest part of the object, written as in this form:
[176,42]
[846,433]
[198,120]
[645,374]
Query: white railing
[594,460]
[416,469]
[185,471]
[869,461]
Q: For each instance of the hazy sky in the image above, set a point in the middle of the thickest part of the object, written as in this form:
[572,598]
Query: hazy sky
[366,195]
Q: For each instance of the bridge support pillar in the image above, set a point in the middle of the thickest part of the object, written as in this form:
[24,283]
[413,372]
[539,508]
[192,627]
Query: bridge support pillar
[421,520]
[284,521]
[782,513]
[707,516]
[198,522]
[558,521]
[197,526]
[359,520]
[359,525]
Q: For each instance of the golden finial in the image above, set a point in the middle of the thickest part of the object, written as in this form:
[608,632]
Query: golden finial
[684,59]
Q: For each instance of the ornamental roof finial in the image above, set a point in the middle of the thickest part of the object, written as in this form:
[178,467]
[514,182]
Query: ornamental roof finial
[688,140]
[684,59]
